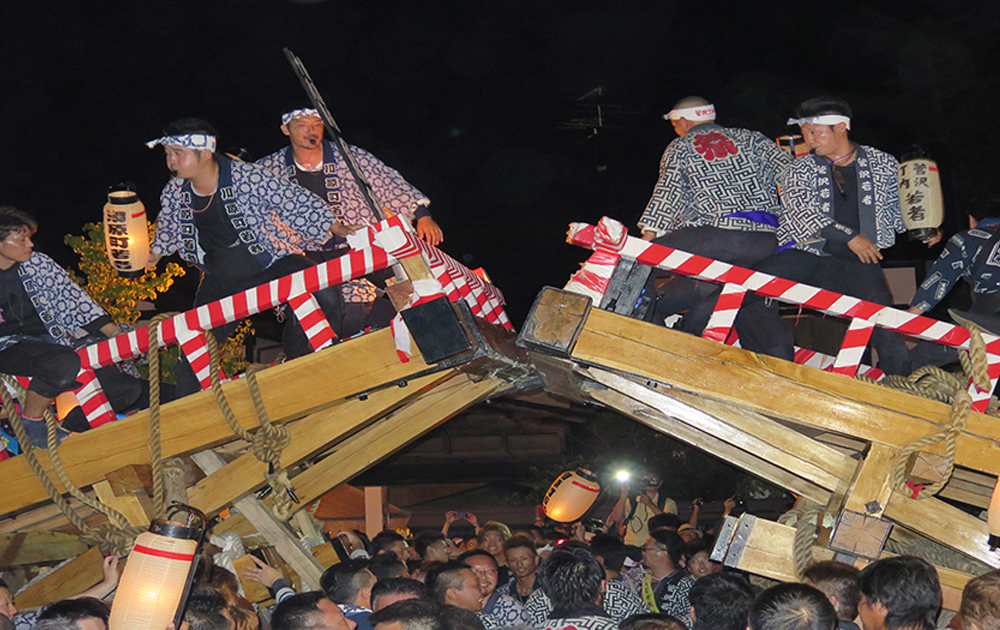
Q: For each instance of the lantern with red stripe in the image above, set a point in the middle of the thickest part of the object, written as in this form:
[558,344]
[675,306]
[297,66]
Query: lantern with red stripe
[157,576]
[571,495]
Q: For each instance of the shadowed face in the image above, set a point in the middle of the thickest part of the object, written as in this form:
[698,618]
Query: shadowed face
[305,132]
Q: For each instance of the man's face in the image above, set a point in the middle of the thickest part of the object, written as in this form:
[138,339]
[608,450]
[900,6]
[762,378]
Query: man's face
[699,565]
[486,570]
[7,604]
[184,162]
[468,596]
[824,139]
[401,550]
[16,247]
[305,132]
[654,554]
[522,562]
[436,552]
[333,617]
[872,614]
[493,542]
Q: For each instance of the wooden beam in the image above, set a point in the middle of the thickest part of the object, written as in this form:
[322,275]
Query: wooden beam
[264,520]
[752,433]
[655,419]
[310,435]
[68,580]
[290,390]
[948,525]
[135,506]
[778,388]
[369,446]
[38,548]
[873,483]
[375,503]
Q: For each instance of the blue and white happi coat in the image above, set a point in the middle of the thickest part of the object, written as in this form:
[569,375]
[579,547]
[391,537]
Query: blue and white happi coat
[61,304]
[391,191]
[807,190]
[271,216]
[713,173]
[502,611]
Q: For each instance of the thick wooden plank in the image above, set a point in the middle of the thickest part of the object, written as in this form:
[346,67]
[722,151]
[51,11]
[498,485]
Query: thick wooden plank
[290,390]
[265,522]
[135,506]
[38,548]
[371,445]
[653,418]
[779,388]
[946,524]
[873,481]
[130,479]
[376,500]
[309,436]
[763,438]
[70,579]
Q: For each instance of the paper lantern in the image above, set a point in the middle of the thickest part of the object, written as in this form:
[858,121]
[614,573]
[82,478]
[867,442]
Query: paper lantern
[571,495]
[156,578]
[920,197]
[993,518]
[126,235]
[65,403]
[795,145]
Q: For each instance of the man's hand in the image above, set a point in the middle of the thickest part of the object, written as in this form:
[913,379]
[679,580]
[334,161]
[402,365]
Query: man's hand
[429,231]
[111,330]
[341,229]
[915,310]
[865,250]
[933,239]
[645,500]
[154,258]
[264,573]
[648,235]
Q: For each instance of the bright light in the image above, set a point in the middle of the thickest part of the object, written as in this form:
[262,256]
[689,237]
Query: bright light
[622,476]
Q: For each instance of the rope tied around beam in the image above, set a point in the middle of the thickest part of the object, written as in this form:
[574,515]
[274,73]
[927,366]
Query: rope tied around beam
[806,519]
[936,384]
[267,443]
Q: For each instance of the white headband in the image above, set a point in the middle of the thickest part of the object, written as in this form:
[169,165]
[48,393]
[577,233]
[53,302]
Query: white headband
[298,113]
[699,112]
[825,119]
[196,141]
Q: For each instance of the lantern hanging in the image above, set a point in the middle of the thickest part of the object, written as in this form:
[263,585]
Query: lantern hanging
[158,574]
[993,518]
[571,495]
[920,196]
[126,234]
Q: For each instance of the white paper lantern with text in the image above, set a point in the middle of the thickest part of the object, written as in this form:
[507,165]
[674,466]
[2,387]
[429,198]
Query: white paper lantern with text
[126,234]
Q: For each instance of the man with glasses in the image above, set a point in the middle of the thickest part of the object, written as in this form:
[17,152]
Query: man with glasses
[666,586]
[499,610]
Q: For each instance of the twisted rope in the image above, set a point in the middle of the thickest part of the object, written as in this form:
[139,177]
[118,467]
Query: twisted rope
[805,534]
[155,433]
[269,440]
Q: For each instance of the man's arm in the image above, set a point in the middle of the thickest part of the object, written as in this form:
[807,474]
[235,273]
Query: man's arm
[671,196]
[944,273]
[802,214]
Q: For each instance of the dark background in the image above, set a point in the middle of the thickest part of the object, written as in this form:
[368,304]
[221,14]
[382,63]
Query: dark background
[466,99]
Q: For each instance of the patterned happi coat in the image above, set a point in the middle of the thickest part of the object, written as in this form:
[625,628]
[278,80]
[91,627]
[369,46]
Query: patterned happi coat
[973,255]
[807,190]
[271,216]
[711,173]
[501,611]
[391,191]
[61,304]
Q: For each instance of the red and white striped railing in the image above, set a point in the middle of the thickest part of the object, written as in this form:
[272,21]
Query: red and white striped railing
[377,247]
[610,241]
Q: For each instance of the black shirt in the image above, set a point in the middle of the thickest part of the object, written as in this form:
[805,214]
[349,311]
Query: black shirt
[224,254]
[17,314]
[845,209]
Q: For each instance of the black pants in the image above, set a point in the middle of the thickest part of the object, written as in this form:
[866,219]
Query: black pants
[761,328]
[696,298]
[215,286]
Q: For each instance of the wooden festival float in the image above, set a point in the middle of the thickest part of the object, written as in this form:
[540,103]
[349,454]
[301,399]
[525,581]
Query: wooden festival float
[847,448]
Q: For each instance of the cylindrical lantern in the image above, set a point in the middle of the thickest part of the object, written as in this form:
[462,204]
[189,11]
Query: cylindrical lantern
[993,518]
[156,577]
[795,145]
[920,197]
[126,234]
[571,495]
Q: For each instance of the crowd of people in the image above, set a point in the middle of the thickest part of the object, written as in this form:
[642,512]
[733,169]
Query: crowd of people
[585,582]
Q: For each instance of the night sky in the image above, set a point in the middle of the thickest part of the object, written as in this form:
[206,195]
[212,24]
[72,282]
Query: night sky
[467,98]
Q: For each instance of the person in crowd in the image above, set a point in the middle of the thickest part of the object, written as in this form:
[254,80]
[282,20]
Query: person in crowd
[499,610]
[239,225]
[792,606]
[720,602]
[900,593]
[26,620]
[309,611]
[717,196]
[573,580]
[666,586]
[396,589]
[522,560]
[697,558]
[432,546]
[652,621]
[980,608]
[455,584]
[317,165]
[239,608]
[349,584]
[41,312]
[620,601]
[634,510]
[410,614]
[207,610]
[492,537]
[839,582]
[85,613]
[387,565]
[391,541]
